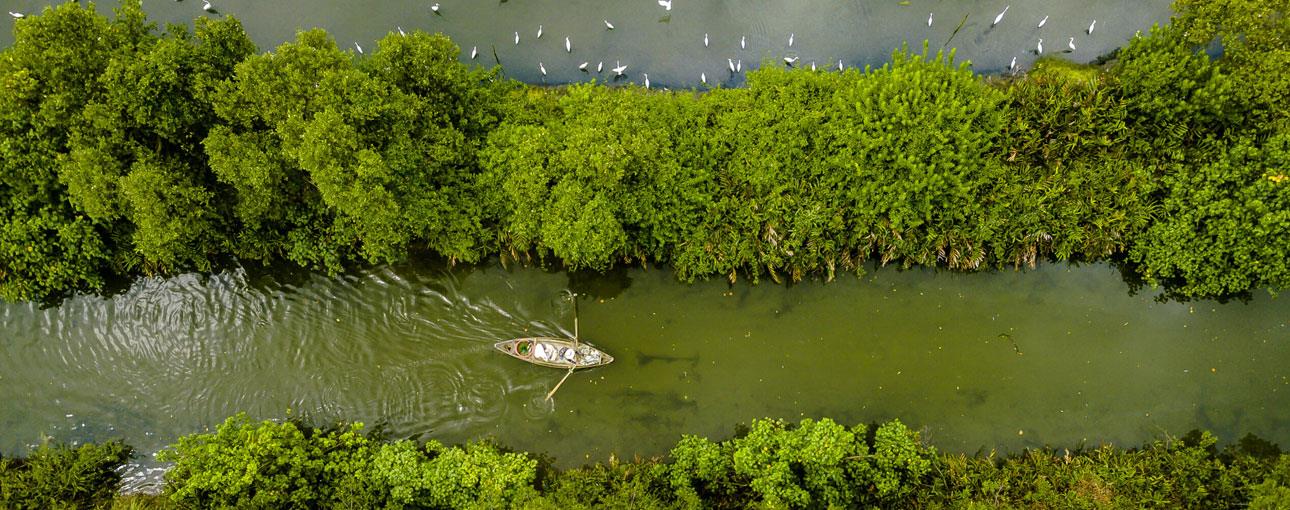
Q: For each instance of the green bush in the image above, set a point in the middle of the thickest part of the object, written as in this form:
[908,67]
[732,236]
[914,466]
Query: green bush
[56,476]
[247,464]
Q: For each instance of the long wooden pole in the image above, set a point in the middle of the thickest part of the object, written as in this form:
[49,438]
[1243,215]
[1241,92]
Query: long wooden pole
[557,385]
[575,319]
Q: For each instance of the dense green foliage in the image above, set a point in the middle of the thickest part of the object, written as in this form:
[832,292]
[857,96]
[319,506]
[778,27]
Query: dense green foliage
[769,464]
[245,464]
[127,150]
[59,476]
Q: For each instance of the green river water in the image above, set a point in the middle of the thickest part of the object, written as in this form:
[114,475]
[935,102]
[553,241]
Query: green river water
[1059,355]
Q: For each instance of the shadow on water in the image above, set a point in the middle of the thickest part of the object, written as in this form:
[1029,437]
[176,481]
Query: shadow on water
[600,285]
[643,359]
[1168,290]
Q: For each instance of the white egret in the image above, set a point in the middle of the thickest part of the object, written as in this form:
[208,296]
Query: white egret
[1090,27]
[790,61]
[1071,44]
[539,36]
[1039,48]
[542,68]
[568,46]
[731,63]
[360,48]
[705,40]
[743,42]
[790,40]
[208,7]
[839,64]
[619,70]
[703,77]
[434,7]
[999,18]
[583,67]
[1013,65]
[600,66]
[812,65]
[646,75]
[517,38]
[1042,22]
[667,6]
[739,65]
[929,19]
[17,15]
[400,30]
[609,25]
[474,52]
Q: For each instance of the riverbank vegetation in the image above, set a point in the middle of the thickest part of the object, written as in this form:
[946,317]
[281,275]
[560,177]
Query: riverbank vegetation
[125,150]
[768,464]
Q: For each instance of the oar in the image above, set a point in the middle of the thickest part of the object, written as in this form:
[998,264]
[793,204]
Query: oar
[557,385]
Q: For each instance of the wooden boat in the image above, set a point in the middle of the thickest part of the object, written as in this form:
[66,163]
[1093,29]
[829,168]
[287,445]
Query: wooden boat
[555,352]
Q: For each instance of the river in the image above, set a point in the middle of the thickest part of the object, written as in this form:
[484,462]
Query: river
[669,44]
[1058,355]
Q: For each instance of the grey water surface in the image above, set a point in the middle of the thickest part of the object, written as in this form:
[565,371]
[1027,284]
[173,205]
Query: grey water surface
[669,44]
[1059,355]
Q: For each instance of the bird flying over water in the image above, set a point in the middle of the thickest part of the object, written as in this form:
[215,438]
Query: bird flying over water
[999,18]
[620,68]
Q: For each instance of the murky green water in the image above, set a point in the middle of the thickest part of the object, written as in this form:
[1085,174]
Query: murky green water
[669,46]
[1007,360]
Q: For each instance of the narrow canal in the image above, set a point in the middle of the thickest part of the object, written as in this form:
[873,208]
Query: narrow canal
[1059,355]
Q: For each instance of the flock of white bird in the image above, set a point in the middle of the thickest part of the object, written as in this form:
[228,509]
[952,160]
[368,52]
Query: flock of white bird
[1039,46]
[735,65]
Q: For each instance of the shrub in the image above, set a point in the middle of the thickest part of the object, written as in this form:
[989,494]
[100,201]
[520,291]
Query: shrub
[61,476]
